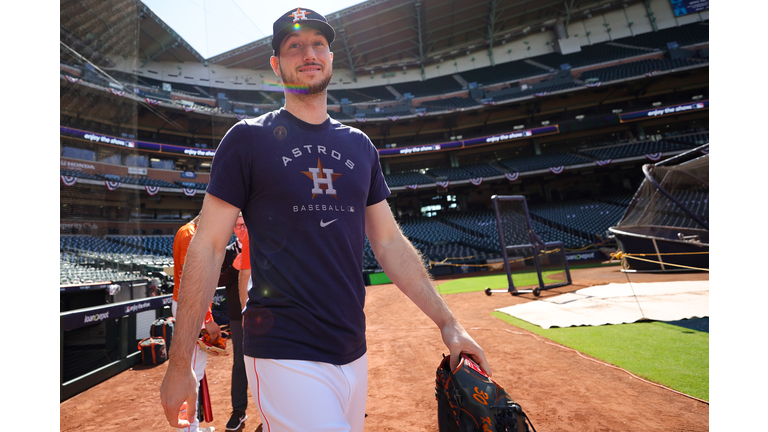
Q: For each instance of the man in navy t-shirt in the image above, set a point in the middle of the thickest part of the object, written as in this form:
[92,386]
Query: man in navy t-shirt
[310,189]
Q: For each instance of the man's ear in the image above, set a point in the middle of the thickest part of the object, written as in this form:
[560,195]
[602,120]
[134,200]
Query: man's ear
[331,53]
[275,63]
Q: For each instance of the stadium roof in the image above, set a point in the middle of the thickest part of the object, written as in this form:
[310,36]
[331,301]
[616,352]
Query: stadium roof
[105,29]
[376,35]
[390,34]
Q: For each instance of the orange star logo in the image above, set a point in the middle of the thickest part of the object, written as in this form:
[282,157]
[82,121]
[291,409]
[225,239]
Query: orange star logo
[322,180]
[299,15]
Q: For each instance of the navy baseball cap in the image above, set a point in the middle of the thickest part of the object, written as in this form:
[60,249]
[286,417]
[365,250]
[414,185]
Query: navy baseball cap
[293,20]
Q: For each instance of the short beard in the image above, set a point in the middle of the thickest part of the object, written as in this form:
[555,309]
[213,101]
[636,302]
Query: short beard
[301,89]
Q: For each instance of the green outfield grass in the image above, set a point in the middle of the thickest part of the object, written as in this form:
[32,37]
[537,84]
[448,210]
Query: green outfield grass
[666,354]
[498,281]
[673,356]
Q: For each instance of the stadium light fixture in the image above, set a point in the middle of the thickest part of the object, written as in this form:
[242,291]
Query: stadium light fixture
[617,111]
[545,123]
[518,127]
[697,97]
[657,104]
[580,117]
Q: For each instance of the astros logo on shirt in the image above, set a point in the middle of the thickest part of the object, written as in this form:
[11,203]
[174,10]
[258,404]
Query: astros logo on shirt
[322,179]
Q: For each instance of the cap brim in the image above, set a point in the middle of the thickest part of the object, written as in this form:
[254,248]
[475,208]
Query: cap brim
[325,28]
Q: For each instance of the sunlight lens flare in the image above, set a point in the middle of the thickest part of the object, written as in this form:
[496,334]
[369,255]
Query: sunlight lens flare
[290,88]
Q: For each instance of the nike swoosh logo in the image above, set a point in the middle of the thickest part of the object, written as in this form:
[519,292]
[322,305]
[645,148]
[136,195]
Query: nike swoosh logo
[325,224]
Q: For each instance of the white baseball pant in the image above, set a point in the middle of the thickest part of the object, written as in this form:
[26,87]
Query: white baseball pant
[299,396]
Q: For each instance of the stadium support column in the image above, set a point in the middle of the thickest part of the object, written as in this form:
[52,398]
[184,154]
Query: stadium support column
[421,43]
[649,14]
[492,31]
[569,13]
[536,148]
[343,34]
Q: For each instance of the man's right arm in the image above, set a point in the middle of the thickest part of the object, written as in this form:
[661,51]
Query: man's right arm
[199,280]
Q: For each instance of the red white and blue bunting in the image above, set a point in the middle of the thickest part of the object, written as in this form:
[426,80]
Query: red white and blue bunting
[443,184]
[489,102]
[240,116]
[705,151]
[512,176]
[152,101]
[68,180]
[557,169]
[361,119]
[190,192]
[603,162]
[594,84]
[73,80]
[421,114]
[653,156]
[188,108]
[540,94]
[413,186]
[112,185]
[393,118]
[152,190]
[652,72]
[116,92]
[476,181]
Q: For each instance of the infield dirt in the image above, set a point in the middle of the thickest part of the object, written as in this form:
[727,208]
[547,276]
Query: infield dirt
[557,388]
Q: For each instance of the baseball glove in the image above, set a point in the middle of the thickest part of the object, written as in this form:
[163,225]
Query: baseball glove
[218,348]
[469,401]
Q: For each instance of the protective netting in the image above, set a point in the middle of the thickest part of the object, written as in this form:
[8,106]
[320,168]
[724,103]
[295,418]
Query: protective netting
[523,250]
[515,228]
[687,183]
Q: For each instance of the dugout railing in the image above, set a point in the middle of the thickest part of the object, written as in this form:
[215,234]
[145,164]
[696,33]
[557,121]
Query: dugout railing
[97,343]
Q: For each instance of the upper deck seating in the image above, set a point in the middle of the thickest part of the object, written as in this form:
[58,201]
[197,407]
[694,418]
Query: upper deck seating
[544,161]
[634,149]
[406,178]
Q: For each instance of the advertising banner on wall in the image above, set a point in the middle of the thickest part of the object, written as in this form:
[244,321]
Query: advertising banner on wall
[472,142]
[685,7]
[133,144]
[664,111]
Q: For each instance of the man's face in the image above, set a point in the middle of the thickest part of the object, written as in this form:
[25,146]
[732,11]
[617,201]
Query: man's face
[240,230]
[304,62]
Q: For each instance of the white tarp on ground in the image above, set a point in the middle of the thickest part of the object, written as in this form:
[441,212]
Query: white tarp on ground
[617,304]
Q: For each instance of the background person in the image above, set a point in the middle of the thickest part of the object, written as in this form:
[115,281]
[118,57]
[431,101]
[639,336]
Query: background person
[199,357]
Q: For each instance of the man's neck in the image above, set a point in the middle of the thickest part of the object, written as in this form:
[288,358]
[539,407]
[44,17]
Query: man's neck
[312,109]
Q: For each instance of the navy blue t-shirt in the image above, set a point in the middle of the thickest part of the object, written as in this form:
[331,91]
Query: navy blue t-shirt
[303,190]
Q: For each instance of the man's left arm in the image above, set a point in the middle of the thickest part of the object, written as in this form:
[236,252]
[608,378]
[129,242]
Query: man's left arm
[403,265]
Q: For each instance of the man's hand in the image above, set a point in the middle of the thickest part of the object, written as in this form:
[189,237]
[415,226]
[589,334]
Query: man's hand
[179,385]
[213,330]
[459,341]
[403,264]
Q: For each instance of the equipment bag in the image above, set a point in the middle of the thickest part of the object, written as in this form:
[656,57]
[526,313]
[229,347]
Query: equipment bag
[163,328]
[153,351]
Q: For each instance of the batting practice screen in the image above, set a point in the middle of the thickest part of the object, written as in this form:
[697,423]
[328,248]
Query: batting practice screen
[524,252]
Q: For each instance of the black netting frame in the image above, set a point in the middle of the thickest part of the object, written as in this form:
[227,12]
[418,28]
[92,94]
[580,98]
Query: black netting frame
[515,227]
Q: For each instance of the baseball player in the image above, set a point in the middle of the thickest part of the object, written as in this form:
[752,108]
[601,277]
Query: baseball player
[310,189]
